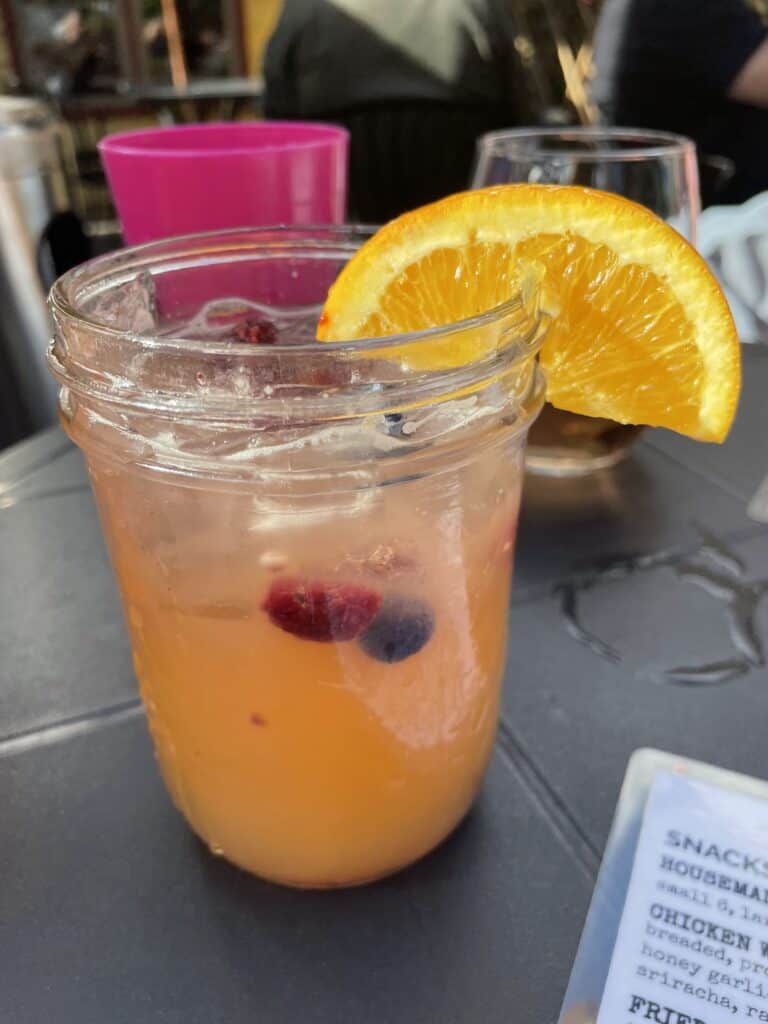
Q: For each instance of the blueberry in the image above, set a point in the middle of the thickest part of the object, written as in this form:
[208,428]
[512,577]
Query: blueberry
[394,421]
[402,626]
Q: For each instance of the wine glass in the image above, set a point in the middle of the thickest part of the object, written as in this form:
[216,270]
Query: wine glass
[656,169]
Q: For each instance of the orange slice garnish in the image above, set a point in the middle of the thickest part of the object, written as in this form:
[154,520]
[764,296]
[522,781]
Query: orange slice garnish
[642,332]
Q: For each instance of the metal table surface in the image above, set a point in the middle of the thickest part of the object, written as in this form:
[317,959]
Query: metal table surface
[110,910]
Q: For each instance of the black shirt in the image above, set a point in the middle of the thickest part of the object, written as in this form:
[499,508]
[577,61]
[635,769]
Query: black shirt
[673,66]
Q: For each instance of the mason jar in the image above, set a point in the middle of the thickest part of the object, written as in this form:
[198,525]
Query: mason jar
[313,541]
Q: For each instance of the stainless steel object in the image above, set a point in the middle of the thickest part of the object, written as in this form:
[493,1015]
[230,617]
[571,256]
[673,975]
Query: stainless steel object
[40,237]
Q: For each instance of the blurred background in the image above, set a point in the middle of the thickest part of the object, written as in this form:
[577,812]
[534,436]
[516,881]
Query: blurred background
[72,73]
[116,64]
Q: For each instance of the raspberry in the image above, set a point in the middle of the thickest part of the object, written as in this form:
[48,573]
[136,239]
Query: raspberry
[315,610]
[256,332]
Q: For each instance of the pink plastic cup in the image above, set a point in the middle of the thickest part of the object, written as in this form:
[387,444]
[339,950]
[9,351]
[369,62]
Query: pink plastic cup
[210,177]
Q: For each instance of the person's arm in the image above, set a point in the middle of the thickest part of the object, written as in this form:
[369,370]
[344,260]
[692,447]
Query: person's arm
[718,47]
[751,83]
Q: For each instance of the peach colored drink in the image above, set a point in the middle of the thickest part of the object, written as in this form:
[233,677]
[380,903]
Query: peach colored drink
[317,605]
[321,762]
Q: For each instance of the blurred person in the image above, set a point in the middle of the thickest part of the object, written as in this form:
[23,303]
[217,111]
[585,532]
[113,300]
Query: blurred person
[67,48]
[695,67]
[414,81]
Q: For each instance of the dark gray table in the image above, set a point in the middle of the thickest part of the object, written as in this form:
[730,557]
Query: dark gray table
[110,911]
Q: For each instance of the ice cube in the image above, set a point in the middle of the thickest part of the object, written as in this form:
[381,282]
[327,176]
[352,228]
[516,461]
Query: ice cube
[131,307]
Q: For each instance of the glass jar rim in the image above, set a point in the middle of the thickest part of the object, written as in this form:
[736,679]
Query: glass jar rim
[645,143]
[154,381]
[127,262]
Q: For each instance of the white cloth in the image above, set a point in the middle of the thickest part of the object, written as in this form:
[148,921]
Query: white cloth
[734,241]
